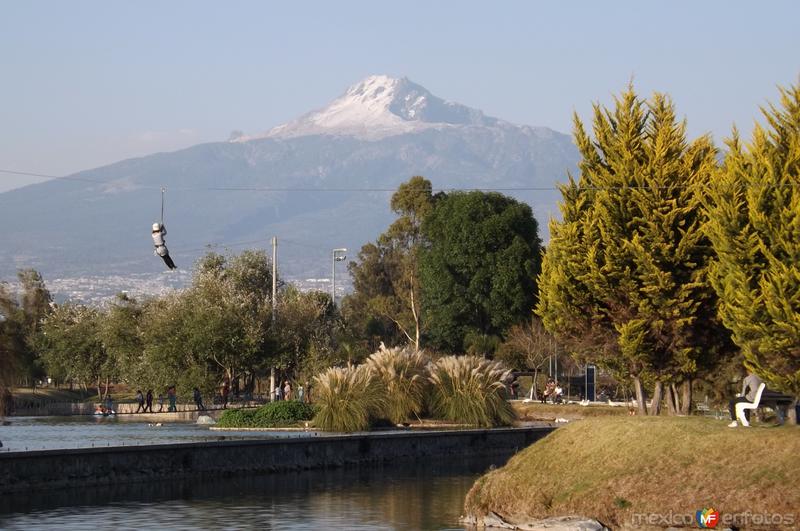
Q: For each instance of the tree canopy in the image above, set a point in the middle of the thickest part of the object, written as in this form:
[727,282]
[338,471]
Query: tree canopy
[478,268]
[386,276]
[755,227]
[624,280]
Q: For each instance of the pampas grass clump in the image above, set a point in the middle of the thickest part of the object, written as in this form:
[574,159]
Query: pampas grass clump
[470,389]
[347,398]
[402,372]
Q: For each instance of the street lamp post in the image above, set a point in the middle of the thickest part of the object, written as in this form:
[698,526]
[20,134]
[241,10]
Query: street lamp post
[337,255]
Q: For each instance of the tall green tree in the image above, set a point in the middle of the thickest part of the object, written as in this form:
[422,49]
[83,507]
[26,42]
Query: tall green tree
[624,280]
[168,357]
[22,311]
[306,332]
[229,314]
[120,332]
[755,227]
[72,349]
[478,268]
[386,277]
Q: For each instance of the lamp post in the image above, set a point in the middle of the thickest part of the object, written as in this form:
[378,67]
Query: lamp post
[337,255]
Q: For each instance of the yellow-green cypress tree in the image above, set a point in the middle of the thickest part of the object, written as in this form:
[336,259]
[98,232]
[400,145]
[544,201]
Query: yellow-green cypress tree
[755,228]
[624,277]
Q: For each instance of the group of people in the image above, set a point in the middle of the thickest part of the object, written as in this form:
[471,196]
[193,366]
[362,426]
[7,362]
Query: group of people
[553,392]
[286,392]
[145,401]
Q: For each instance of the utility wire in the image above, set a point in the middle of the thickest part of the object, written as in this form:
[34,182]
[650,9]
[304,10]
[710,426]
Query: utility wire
[392,190]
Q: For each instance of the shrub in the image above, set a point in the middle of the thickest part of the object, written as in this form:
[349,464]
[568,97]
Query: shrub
[237,418]
[272,415]
[402,372]
[470,390]
[347,398]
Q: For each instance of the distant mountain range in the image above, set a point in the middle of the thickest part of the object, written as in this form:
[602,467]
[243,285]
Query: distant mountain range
[318,182]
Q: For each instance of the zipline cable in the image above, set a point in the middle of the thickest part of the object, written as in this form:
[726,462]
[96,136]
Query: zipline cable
[392,190]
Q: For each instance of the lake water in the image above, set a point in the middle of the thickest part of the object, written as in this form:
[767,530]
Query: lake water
[44,433]
[405,496]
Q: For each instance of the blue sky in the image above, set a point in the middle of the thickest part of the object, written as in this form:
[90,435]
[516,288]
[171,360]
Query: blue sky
[88,83]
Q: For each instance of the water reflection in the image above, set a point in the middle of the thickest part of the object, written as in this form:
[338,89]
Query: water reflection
[406,495]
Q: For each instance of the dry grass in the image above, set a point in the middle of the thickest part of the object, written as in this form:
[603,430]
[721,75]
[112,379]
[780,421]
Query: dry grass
[347,398]
[611,468]
[470,390]
[402,371]
[537,411]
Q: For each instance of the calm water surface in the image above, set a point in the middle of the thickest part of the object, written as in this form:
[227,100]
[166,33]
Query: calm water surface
[405,496]
[40,433]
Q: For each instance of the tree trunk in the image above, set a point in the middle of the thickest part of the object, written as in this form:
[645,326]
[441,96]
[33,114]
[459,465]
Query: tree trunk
[272,384]
[99,395]
[658,392]
[673,405]
[105,393]
[641,396]
[686,397]
[792,413]
[534,394]
[415,313]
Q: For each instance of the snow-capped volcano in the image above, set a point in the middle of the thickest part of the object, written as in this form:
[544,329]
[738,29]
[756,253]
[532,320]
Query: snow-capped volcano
[373,137]
[379,107]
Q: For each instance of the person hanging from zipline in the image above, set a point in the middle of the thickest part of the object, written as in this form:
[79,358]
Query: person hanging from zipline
[159,231]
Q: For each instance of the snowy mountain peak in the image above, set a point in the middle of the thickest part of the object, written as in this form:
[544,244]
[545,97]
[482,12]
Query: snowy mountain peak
[377,107]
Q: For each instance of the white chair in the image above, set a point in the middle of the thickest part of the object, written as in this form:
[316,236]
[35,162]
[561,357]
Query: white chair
[741,406]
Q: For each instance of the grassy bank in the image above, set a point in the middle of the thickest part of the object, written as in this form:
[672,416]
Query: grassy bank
[535,411]
[612,468]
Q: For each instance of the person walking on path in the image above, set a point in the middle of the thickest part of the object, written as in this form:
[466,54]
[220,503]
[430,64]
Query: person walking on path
[198,400]
[140,401]
[225,391]
[160,402]
[149,401]
[287,390]
[173,399]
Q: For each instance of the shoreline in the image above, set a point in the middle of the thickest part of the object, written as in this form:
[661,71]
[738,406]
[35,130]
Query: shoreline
[38,469]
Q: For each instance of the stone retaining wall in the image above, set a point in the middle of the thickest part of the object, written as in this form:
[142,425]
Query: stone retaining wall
[25,471]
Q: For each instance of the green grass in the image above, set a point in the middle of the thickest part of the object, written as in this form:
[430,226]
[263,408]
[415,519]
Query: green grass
[272,415]
[611,468]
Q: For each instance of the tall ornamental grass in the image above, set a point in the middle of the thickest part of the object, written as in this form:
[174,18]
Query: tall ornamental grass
[402,373]
[470,390]
[347,398]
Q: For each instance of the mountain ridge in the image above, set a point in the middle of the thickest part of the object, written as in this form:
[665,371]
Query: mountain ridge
[223,193]
[380,106]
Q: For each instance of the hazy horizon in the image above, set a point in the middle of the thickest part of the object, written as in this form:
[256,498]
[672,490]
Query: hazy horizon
[93,83]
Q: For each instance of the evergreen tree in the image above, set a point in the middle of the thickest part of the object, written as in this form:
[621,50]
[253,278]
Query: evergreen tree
[755,228]
[624,278]
[478,269]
